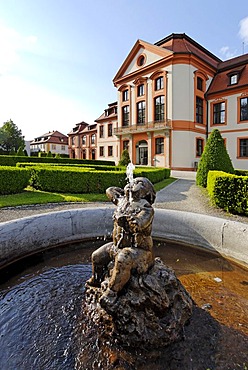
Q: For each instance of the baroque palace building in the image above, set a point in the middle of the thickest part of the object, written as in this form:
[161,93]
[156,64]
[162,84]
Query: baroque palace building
[171,95]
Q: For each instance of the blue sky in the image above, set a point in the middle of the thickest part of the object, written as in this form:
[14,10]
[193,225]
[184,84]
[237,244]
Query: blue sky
[58,57]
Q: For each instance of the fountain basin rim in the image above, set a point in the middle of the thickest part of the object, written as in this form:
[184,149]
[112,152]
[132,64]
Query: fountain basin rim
[25,236]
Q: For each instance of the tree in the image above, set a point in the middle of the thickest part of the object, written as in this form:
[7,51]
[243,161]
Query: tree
[125,158]
[214,157]
[11,137]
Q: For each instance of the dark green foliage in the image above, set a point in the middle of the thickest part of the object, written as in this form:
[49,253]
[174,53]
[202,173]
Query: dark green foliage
[6,160]
[20,152]
[241,172]
[228,191]
[11,137]
[69,180]
[125,158]
[153,174]
[42,154]
[49,154]
[13,180]
[85,180]
[214,157]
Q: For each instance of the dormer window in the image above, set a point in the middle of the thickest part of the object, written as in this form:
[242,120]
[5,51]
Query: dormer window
[234,79]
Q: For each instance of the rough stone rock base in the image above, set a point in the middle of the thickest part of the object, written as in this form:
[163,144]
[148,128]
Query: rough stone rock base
[151,310]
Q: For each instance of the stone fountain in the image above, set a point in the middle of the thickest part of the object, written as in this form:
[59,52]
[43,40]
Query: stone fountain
[133,297]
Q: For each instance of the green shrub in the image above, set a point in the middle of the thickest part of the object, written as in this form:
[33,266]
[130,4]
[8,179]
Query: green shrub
[214,157]
[84,180]
[13,180]
[228,191]
[154,174]
[42,154]
[241,172]
[125,158]
[8,160]
[68,180]
[20,152]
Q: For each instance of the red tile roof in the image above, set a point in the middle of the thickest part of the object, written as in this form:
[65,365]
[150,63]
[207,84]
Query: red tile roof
[182,43]
[221,81]
[54,137]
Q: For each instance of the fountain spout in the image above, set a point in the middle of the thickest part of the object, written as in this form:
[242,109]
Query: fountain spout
[129,173]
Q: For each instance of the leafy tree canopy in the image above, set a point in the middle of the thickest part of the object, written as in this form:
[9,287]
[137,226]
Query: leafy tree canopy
[11,137]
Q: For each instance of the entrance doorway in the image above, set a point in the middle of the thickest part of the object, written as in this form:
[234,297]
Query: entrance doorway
[142,153]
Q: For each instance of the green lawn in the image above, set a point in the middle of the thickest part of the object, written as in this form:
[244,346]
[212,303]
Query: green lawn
[31,196]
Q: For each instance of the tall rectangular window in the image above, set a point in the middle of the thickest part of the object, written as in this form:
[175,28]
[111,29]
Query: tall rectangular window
[159,108]
[243,109]
[125,115]
[101,133]
[199,147]
[84,140]
[141,90]
[93,139]
[199,83]
[101,151]
[219,112]
[125,95]
[243,147]
[159,144]
[110,151]
[110,129]
[125,144]
[141,112]
[199,110]
[159,83]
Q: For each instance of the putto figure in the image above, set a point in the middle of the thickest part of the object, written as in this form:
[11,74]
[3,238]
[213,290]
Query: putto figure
[132,247]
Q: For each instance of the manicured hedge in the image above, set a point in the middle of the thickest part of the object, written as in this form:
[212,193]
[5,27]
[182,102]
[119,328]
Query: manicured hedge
[228,191]
[75,181]
[241,172]
[68,180]
[13,180]
[67,165]
[153,174]
[11,160]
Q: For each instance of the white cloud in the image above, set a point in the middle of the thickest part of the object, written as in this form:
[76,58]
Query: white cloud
[226,52]
[243,30]
[11,43]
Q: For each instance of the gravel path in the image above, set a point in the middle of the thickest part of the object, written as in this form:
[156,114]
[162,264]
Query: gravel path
[182,195]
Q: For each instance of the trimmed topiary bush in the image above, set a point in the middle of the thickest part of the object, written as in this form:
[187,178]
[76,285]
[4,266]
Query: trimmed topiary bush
[13,180]
[214,157]
[125,158]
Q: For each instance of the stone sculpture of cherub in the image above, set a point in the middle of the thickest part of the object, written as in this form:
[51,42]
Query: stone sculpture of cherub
[132,247]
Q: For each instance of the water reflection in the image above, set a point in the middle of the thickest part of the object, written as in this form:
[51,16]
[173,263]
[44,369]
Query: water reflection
[40,311]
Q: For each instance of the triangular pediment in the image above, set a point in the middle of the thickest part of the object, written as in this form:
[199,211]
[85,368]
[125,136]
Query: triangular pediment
[141,56]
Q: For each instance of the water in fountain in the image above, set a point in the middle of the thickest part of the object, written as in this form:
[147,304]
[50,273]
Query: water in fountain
[41,318]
